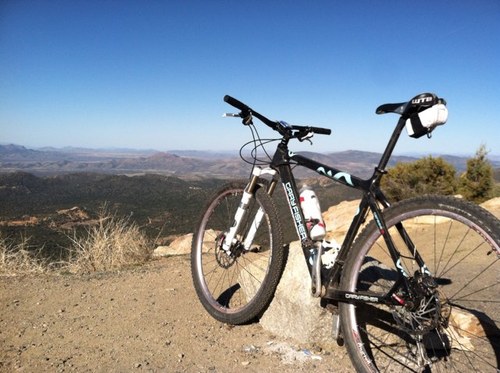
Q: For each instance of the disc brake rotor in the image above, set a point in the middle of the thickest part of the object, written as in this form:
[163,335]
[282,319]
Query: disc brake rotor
[226,259]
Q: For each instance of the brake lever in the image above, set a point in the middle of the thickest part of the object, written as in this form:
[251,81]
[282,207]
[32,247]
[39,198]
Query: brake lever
[246,116]
[306,137]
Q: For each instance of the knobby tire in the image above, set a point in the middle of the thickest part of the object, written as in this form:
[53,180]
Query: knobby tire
[237,287]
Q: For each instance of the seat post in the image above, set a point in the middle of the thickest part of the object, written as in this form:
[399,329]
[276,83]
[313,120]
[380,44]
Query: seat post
[391,144]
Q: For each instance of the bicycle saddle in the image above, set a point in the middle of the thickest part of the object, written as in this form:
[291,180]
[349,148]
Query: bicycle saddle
[415,105]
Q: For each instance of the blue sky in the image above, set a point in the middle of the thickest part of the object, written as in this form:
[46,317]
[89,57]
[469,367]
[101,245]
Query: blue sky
[152,74]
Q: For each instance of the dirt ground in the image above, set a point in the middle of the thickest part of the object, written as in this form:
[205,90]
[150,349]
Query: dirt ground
[142,319]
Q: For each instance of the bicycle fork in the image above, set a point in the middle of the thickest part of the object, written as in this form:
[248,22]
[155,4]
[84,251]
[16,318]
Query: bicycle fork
[248,194]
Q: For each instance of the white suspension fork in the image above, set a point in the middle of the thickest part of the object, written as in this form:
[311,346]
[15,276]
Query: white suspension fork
[253,229]
[242,209]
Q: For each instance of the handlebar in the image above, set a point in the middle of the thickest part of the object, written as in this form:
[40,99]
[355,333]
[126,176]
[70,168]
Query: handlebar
[237,104]
[283,128]
[247,112]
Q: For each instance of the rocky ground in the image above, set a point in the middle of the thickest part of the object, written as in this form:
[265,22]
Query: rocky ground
[142,319]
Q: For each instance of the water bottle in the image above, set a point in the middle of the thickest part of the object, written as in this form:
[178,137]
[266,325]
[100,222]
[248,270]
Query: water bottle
[312,213]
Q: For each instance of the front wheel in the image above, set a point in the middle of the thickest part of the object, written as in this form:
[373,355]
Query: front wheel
[449,319]
[235,286]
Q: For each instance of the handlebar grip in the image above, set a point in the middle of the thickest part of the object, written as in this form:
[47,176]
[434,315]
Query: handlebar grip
[318,130]
[237,104]
[321,131]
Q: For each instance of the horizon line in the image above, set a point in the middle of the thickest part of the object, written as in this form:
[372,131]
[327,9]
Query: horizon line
[174,151]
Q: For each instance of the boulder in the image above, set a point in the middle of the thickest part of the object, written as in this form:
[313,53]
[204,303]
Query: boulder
[182,245]
[294,312]
[338,218]
[179,246]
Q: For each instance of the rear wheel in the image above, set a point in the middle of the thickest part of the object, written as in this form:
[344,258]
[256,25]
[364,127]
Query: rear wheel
[450,319]
[236,286]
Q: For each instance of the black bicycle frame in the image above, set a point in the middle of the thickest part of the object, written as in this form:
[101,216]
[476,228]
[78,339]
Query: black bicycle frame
[372,197]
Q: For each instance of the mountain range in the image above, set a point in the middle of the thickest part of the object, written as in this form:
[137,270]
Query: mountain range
[185,164]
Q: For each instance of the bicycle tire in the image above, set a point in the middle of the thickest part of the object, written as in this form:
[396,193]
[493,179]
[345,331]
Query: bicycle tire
[460,244]
[237,288]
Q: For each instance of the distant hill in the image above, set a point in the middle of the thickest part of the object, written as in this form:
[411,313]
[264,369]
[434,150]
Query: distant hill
[18,153]
[183,163]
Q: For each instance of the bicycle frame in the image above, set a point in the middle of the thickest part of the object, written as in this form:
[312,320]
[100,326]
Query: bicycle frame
[372,198]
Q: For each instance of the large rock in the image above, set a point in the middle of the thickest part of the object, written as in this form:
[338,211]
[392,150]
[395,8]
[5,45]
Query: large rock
[294,312]
[179,246]
[338,218]
[182,245]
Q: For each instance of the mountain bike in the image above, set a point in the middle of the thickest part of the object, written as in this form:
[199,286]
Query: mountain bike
[416,286]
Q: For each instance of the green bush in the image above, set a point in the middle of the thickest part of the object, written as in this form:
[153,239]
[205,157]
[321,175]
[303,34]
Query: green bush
[426,176]
[477,183]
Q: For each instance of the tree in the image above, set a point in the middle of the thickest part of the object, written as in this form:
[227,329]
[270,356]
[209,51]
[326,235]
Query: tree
[476,183]
[426,176]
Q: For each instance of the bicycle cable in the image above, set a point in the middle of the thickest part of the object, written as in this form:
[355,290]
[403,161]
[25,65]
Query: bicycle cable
[257,142]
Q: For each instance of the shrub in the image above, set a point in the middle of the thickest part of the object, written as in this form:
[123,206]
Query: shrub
[477,183]
[425,176]
[112,243]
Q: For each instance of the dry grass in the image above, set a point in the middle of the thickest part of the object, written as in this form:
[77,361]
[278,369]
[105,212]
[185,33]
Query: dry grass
[21,259]
[111,244]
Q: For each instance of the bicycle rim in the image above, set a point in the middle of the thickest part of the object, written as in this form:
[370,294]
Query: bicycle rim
[235,287]
[456,328]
